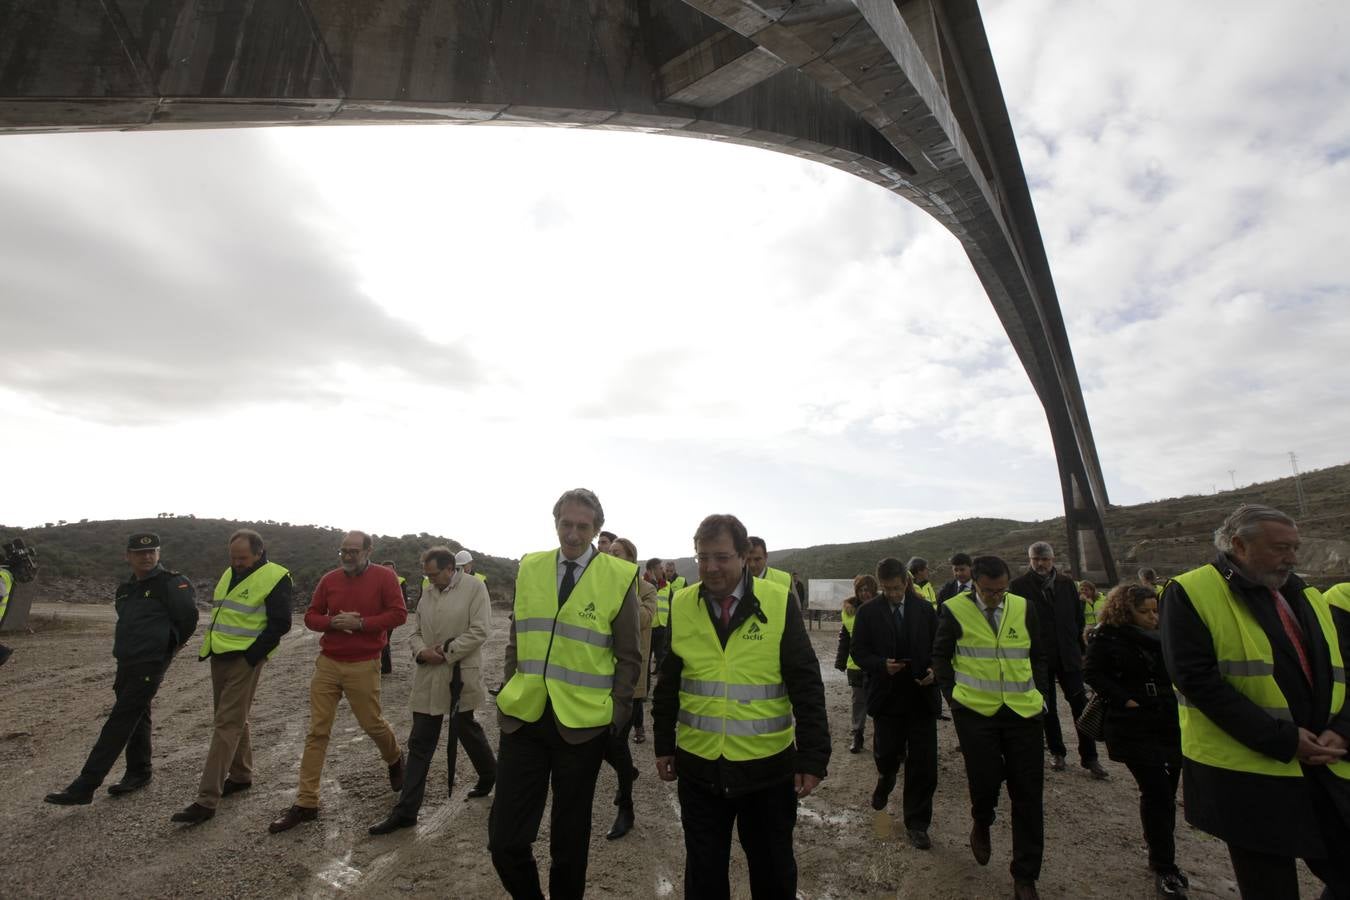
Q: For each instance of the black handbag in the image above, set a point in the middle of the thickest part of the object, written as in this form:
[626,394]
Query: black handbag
[1092,720]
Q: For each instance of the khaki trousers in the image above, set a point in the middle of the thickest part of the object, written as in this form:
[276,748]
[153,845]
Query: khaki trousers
[359,682]
[233,683]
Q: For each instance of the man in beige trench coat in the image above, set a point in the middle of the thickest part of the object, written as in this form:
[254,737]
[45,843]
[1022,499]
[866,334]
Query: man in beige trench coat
[454,618]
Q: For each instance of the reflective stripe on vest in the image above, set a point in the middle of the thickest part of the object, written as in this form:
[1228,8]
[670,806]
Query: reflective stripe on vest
[991,670]
[733,702]
[848,621]
[565,655]
[239,614]
[1247,662]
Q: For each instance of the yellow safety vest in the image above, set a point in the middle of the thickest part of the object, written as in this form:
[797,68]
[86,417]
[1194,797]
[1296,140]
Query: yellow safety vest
[926,591]
[994,670]
[663,601]
[565,654]
[1091,609]
[480,576]
[777,576]
[239,614]
[733,702]
[1247,662]
[848,621]
[8,578]
[1338,595]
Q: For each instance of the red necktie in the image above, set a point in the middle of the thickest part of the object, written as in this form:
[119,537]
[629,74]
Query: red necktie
[726,610]
[1294,633]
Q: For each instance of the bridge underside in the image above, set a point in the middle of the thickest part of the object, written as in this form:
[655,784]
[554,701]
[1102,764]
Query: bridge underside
[902,93]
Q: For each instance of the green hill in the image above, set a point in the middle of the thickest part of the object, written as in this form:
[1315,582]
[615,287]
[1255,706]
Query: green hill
[1170,535]
[196,547]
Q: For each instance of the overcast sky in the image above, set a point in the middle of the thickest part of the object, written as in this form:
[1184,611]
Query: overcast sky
[439,329]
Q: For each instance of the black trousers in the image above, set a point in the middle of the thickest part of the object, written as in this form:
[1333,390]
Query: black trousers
[911,739]
[637,711]
[128,725]
[529,759]
[1076,694]
[764,822]
[1263,876]
[620,757]
[387,653]
[660,645]
[422,740]
[1158,810]
[1006,747]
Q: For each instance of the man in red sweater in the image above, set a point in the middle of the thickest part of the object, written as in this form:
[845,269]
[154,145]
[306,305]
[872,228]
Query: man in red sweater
[353,607]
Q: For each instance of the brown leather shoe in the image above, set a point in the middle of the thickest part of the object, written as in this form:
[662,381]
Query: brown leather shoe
[293,817]
[396,774]
[979,843]
[1025,890]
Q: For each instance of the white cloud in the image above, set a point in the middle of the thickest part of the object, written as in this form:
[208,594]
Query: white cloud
[690,327]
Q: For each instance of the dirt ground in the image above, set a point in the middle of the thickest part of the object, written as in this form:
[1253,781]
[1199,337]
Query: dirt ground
[56,690]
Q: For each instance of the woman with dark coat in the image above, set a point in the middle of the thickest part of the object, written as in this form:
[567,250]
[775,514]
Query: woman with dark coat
[1125,666]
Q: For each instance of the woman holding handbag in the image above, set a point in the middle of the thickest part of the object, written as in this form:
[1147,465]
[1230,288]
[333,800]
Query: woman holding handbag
[1124,666]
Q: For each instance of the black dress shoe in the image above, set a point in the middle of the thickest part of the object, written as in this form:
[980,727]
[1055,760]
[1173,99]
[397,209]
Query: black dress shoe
[234,787]
[195,814]
[623,823]
[1098,771]
[293,817]
[918,839]
[70,797]
[882,792]
[1025,890]
[979,843]
[129,784]
[857,745]
[481,789]
[393,823]
[396,774]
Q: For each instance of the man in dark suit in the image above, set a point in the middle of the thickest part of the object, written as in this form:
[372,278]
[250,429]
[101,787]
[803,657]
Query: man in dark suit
[892,642]
[961,578]
[1059,610]
[1257,658]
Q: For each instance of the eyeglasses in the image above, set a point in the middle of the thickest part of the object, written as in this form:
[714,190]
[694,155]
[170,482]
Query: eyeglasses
[345,552]
[720,558]
[993,596]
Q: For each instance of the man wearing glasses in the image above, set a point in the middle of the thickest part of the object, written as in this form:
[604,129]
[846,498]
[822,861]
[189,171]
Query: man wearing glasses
[988,660]
[353,608]
[739,717]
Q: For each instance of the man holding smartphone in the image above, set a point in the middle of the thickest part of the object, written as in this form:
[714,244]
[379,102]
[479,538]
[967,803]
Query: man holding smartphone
[892,639]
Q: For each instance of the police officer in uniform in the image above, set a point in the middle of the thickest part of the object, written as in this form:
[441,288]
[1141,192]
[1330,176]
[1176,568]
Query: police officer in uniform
[250,613]
[1258,661]
[740,670]
[156,615]
[571,664]
[988,661]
